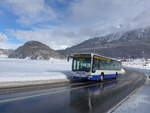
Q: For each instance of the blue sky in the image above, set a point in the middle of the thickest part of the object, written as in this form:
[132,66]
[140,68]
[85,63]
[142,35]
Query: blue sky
[63,23]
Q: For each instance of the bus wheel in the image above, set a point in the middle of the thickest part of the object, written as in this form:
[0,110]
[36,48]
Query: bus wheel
[102,76]
[116,75]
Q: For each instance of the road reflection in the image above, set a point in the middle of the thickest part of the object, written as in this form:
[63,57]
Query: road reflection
[80,100]
[86,100]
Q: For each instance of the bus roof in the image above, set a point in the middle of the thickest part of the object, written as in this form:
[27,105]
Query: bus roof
[92,55]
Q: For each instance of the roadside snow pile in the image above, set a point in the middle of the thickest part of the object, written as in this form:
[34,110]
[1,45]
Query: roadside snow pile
[13,70]
[137,63]
[3,56]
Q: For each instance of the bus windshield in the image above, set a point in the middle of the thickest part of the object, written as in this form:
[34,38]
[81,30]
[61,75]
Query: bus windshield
[81,64]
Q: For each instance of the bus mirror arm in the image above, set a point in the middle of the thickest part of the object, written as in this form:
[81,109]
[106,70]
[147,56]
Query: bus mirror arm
[93,70]
[69,57]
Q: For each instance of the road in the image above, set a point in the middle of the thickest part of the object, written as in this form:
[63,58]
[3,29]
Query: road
[88,97]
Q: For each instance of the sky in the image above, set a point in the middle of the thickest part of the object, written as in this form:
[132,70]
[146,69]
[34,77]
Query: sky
[64,23]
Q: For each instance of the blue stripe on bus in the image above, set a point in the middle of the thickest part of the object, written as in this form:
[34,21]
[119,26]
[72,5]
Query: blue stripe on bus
[96,77]
[108,76]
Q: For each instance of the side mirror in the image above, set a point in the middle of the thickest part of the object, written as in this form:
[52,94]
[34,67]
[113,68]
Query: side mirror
[94,70]
[68,58]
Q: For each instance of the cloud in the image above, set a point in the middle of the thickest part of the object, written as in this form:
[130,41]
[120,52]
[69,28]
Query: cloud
[3,37]
[56,38]
[112,13]
[31,11]
[8,45]
[80,19]
[4,42]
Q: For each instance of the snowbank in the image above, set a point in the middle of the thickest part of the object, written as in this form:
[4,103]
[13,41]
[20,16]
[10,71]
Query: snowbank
[13,70]
[3,56]
[137,63]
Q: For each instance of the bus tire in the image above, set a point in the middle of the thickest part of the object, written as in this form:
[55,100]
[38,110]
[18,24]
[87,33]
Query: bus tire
[116,75]
[102,76]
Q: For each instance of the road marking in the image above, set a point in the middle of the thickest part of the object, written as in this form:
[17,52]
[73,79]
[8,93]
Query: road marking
[42,94]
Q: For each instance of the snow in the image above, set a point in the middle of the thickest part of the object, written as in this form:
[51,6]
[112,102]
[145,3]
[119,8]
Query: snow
[3,56]
[25,70]
[137,63]
[13,70]
[139,102]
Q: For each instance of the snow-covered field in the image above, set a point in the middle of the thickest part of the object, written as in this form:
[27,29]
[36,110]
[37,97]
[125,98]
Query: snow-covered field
[31,70]
[13,70]
[137,63]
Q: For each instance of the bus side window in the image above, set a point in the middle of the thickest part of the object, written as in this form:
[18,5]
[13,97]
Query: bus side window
[96,64]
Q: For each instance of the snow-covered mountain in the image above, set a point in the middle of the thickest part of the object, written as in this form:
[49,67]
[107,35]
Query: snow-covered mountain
[134,43]
[35,50]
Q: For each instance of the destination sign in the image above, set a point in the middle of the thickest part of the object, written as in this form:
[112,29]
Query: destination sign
[102,58]
[82,56]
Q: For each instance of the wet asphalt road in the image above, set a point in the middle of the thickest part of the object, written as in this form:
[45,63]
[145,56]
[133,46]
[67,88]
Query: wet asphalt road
[88,97]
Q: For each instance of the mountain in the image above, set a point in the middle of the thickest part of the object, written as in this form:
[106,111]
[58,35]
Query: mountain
[5,52]
[35,50]
[134,43]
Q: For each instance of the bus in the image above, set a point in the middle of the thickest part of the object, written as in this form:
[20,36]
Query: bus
[95,67]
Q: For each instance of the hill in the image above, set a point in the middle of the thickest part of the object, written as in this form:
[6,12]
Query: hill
[35,50]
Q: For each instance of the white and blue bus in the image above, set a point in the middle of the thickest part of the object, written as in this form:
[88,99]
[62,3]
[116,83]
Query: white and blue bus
[95,67]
